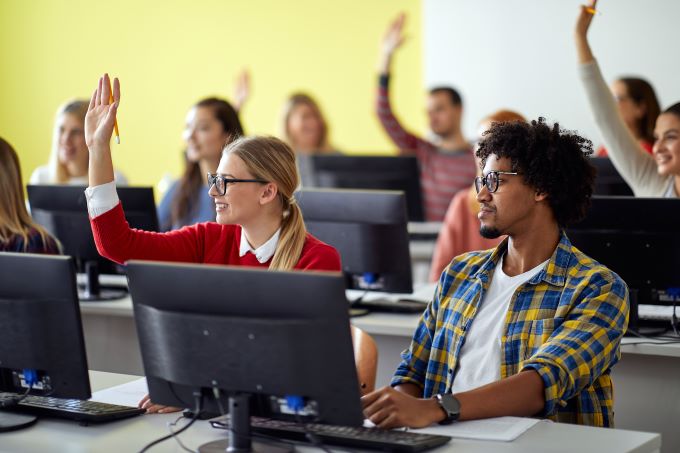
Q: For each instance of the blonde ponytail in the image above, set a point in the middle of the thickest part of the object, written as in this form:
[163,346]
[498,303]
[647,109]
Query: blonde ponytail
[291,240]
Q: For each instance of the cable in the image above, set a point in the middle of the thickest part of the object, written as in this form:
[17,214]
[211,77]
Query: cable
[176,437]
[674,318]
[199,406]
[9,402]
[296,403]
[357,302]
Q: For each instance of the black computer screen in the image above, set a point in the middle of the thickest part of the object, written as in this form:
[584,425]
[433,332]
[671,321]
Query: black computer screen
[368,172]
[62,210]
[608,181]
[369,229]
[638,238]
[40,326]
[267,334]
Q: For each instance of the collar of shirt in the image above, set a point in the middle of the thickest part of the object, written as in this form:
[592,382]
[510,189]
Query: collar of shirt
[264,252]
[553,273]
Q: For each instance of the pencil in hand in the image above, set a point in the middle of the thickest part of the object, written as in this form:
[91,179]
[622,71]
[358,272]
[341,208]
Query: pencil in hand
[115,123]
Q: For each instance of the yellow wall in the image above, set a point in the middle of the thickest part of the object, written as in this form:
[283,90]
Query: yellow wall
[169,54]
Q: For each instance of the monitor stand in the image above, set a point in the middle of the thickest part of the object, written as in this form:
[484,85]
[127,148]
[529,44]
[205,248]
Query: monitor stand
[239,440]
[93,291]
[10,421]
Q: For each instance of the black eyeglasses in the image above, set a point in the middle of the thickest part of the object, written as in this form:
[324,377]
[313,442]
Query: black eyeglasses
[491,180]
[220,182]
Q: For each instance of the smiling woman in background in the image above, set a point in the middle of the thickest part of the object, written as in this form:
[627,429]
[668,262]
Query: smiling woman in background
[210,125]
[649,176]
[69,157]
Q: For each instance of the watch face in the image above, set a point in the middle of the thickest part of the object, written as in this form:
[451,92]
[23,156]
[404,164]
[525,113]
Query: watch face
[450,404]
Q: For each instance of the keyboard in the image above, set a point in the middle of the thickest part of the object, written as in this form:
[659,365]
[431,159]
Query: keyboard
[391,306]
[84,411]
[348,436]
[657,312]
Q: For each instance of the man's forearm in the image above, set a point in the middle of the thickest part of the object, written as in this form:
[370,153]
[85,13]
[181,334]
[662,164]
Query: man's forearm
[520,395]
[410,389]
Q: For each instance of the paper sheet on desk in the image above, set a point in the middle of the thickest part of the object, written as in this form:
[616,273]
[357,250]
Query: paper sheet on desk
[127,394]
[505,429]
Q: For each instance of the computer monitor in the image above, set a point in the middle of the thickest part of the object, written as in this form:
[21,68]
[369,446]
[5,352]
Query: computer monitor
[608,181]
[368,172]
[41,334]
[228,331]
[369,229]
[62,210]
[638,238]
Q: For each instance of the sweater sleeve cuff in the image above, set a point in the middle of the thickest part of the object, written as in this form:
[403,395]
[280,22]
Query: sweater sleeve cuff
[384,80]
[101,199]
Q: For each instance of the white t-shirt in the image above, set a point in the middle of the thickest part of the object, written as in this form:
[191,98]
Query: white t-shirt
[480,356]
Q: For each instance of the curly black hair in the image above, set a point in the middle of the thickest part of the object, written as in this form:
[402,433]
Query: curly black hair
[551,160]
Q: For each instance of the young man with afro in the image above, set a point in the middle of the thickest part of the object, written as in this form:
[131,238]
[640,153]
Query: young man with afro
[530,328]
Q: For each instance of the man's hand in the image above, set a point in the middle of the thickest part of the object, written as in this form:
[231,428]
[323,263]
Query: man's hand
[393,39]
[389,408]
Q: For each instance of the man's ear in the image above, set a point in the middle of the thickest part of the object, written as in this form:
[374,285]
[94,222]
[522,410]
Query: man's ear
[540,196]
[269,193]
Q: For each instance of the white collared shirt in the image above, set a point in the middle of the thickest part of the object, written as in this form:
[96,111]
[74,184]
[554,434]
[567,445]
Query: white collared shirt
[264,252]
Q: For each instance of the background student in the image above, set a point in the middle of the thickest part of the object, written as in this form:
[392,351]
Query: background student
[305,129]
[460,230]
[304,126]
[258,221]
[639,108]
[69,157]
[210,125]
[446,162]
[18,231]
[656,175]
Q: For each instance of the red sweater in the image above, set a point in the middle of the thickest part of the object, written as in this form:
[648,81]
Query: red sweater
[209,243]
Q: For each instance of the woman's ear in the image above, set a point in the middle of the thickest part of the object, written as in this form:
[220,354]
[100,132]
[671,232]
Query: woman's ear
[269,193]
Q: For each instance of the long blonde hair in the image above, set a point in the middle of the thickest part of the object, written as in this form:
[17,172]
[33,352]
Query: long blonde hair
[14,218]
[271,159]
[295,100]
[57,170]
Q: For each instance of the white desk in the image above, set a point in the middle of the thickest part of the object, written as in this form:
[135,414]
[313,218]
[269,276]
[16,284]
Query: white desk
[132,434]
[646,380]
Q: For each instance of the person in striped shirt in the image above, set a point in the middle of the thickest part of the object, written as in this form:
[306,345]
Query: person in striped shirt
[446,162]
[530,328]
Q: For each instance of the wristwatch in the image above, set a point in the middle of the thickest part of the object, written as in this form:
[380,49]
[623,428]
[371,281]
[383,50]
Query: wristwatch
[450,405]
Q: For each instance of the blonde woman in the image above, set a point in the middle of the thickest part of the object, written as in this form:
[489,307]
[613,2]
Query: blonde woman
[304,126]
[68,158]
[258,222]
[18,231]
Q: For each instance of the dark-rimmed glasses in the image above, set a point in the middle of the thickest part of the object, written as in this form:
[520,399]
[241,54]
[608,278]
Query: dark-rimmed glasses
[220,182]
[491,180]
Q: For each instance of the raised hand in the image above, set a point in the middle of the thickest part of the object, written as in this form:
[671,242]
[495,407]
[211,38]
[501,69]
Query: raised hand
[101,115]
[242,90]
[393,39]
[99,122]
[585,18]
[394,36]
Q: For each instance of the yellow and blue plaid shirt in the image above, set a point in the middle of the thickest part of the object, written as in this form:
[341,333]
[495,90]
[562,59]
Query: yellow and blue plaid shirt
[565,323]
